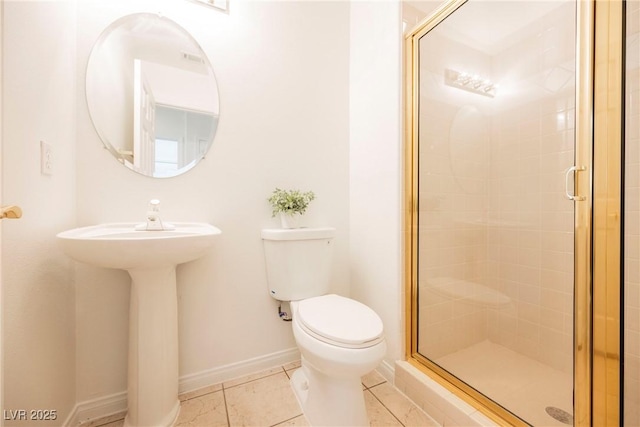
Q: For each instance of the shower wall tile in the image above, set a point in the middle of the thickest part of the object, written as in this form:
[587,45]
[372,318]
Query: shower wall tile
[530,294]
[558,280]
[529,312]
[533,147]
[500,220]
[551,319]
[453,189]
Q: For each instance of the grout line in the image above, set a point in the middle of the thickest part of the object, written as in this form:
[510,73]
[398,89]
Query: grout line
[200,395]
[99,420]
[224,394]
[385,406]
[375,385]
[289,419]
[226,410]
[250,381]
[287,372]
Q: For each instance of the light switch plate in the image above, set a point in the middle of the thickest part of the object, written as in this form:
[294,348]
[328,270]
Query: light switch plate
[46,159]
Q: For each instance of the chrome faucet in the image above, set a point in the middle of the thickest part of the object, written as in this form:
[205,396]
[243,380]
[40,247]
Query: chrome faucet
[154,223]
[153,216]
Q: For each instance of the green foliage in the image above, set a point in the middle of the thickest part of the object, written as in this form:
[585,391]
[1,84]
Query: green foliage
[290,201]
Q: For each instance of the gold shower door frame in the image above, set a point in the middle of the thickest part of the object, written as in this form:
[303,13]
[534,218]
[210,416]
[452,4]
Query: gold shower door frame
[607,213]
[597,222]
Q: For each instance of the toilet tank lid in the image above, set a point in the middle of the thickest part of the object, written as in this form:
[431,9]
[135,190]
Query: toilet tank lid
[298,233]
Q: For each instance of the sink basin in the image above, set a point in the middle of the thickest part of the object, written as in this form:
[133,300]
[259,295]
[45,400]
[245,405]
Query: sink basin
[151,258]
[120,246]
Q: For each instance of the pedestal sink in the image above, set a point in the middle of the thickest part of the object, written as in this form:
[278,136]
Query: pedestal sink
[151,258]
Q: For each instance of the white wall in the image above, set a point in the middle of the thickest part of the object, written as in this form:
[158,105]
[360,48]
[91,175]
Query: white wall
[283,77]
[38,298]
[285,88]
[375,167]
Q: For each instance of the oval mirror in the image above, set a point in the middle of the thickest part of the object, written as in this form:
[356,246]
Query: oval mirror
[152,95]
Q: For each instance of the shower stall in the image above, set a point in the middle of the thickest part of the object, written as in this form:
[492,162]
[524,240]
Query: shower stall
[523,188]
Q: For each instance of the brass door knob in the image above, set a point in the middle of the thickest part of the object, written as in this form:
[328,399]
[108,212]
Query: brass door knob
[10,212]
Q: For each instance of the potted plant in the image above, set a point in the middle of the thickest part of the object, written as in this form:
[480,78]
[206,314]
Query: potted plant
[290,205]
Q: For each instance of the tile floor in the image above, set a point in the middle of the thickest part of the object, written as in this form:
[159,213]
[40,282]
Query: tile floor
[266,399]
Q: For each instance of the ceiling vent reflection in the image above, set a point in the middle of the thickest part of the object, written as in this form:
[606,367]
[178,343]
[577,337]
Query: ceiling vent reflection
[470,82]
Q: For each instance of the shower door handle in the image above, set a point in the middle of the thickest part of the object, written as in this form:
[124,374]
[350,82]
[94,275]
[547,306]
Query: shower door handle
[567,174]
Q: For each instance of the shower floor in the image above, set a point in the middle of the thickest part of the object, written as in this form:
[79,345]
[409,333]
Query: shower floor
[522,385]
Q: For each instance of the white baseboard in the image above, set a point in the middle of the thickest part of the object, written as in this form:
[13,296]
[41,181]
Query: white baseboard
[387,370]
[89,410]
[86,412]
[220,374]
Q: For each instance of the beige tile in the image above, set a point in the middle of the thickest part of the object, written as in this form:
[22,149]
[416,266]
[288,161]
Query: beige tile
[252,377]
[291,372]
[118,423]
[266,401]
[290,368]
[292,365]
[373,378]
[377,413]
[200,392]
[299,421]
[208,410]
[401,407]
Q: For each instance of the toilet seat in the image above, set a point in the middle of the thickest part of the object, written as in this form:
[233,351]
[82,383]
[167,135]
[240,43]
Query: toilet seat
[340,321]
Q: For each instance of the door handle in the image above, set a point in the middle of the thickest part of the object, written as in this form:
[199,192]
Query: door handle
[567,174]
[10,212]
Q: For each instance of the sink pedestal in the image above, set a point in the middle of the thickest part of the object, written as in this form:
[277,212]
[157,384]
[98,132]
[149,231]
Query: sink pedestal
[153,348]
[151,258]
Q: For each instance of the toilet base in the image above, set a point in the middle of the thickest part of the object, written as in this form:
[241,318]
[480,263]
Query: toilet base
[328,401]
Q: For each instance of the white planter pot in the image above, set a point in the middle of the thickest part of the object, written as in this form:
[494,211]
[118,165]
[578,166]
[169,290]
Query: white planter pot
[293,220]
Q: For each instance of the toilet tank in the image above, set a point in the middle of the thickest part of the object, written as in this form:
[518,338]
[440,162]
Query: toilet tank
[298,262]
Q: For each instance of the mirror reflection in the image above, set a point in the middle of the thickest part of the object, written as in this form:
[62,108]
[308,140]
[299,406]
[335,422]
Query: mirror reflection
[218,4]
[152,95]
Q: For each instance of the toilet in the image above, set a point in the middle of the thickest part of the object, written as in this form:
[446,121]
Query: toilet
[339,339]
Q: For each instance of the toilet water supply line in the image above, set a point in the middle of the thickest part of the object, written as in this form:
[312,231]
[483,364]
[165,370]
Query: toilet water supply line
[283,314]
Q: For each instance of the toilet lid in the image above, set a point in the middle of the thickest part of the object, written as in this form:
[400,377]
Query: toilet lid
[340,321]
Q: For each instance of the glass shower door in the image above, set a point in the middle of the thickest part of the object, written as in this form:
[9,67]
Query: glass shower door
[496,119]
